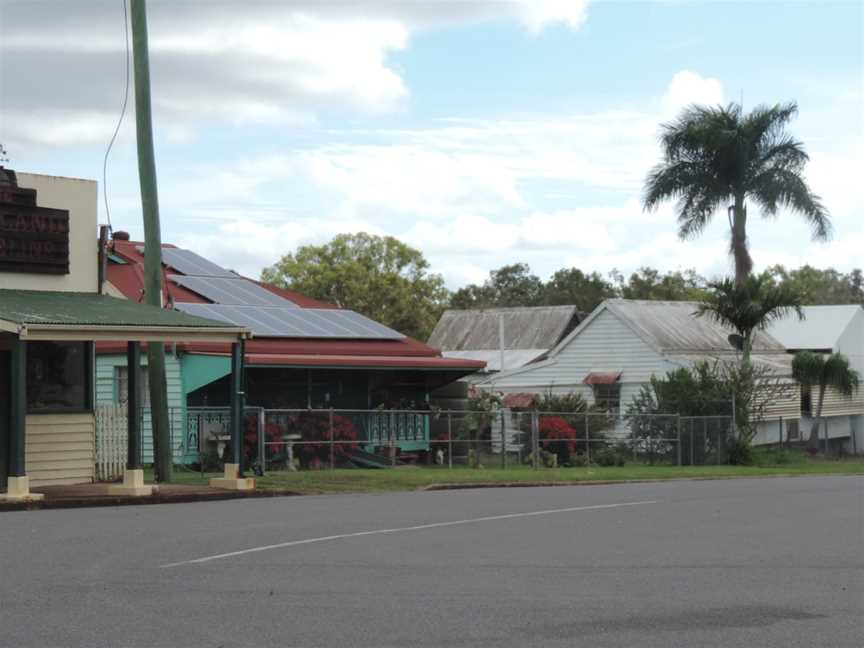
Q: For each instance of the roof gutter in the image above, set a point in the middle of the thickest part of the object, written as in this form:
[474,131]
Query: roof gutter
[96,333]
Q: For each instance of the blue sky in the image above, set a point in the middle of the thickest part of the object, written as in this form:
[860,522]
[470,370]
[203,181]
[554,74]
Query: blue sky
[481,132]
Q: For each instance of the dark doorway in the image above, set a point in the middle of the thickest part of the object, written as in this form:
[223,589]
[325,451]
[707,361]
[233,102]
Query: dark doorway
[5,398]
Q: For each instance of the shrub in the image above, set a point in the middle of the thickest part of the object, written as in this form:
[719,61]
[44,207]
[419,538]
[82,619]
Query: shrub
[741,453]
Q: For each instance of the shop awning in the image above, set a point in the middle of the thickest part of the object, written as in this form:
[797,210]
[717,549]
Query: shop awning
[59,316]
[602,378]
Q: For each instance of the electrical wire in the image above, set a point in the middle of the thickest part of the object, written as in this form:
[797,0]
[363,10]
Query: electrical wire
[119,121]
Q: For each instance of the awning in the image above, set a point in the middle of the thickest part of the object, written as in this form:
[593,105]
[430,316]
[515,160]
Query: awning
[72,316]
[519,401]
[360,361]
[602,378]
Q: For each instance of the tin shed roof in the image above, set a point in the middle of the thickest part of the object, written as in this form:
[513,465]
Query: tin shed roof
[530,328]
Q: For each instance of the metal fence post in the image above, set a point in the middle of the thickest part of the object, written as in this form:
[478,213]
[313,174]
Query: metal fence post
[503,441]
[535,442]
[781,432]
[331,439]
[449,439]
[587,438]
[262,428]
[678,451]
[692,444]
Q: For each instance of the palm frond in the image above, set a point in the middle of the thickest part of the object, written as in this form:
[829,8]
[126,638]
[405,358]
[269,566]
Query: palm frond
[807,368]
[839,375]
[777,187]
[750,306]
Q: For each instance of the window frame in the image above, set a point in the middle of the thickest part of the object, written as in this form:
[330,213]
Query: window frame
[604,400]
[89,382]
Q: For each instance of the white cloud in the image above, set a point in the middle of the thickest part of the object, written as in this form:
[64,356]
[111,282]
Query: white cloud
[688,88]
[538,14]
[240,63]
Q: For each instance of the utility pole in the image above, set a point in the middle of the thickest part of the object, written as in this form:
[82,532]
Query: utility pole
[162,455]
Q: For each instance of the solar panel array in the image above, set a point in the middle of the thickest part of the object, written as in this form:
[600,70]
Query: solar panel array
[271,321]
[245,303]
[191,264]
[233,292]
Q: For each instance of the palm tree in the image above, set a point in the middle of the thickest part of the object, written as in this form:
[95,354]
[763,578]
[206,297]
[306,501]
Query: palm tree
[815,370]
[716,157]
[749,306]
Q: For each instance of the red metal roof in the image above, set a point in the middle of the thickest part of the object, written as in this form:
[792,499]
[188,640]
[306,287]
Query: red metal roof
[405,353]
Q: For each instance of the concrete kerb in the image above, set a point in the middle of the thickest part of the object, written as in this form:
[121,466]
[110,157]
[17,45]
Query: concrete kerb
[126,500]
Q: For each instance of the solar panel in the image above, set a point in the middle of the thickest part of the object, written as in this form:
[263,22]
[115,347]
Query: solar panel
[191,264]
[295,322]
[233,292]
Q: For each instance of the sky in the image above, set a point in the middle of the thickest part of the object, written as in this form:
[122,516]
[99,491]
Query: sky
[482,132]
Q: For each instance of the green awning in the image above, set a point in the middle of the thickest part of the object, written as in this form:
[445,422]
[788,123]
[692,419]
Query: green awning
[54,315]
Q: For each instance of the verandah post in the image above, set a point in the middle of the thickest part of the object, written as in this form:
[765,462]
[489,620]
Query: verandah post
[133,423]
[237,405]
[18,409]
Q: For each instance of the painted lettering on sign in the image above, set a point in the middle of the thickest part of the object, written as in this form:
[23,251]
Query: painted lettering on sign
[34,239]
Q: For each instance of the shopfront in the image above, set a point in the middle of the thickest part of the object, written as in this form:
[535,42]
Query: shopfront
[51,315]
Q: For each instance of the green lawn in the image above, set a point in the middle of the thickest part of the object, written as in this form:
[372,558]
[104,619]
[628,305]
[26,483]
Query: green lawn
[402,479]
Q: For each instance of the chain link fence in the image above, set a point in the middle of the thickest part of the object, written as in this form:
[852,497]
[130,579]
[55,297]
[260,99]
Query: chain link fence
[301,439]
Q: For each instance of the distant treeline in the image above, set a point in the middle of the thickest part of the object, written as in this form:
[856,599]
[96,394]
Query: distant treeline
[515,285]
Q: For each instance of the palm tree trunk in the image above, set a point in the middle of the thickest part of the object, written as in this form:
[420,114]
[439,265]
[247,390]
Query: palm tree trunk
[814,429]
[738,245]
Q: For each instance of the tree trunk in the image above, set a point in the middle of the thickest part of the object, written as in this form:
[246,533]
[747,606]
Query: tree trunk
[813,442]
[738,244]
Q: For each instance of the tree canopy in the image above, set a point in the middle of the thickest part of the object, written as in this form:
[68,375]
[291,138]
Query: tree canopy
[377,276]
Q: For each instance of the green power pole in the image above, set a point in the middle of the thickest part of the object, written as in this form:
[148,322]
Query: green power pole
[162,455]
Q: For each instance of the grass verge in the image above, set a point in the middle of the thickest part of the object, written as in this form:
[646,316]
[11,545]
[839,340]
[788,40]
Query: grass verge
[315,482]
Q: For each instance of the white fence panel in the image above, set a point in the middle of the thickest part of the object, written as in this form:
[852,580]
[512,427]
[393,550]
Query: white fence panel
[111,441]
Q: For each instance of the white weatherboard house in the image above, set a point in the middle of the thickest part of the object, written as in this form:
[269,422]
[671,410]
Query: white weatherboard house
[830,329]
[622,343]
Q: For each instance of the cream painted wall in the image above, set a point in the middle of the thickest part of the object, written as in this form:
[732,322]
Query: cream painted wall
[80,198]
[60,448]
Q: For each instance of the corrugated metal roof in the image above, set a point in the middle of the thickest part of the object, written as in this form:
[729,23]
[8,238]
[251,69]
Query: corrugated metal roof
[29,307]
[821,328]
[512,359]
[539,327]
[673,327]
[779,363]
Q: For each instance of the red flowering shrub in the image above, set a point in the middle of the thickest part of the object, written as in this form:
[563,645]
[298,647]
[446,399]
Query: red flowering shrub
[557,436]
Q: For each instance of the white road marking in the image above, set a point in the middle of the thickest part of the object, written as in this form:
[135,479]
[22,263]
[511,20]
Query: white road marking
[419,527]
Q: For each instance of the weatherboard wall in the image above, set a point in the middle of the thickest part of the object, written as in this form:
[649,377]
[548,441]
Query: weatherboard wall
[107,393]
[60,448]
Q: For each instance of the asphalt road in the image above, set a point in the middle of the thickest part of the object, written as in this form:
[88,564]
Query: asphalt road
[755,563]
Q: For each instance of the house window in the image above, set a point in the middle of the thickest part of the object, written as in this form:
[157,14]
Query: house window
[806,401]
[58,377]
[121,386]
[608,397]
[792,430]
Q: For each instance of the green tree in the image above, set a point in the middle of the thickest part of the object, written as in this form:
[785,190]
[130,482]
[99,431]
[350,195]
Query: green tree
[648,283]
[817,286]
[509,285]
[820,372]
[377,276]
[571,286]
[749,307]
[715,157]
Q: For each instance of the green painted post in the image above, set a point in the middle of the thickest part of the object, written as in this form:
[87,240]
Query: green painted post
[237,406]
[162,452]
[18,409]
[133,421]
